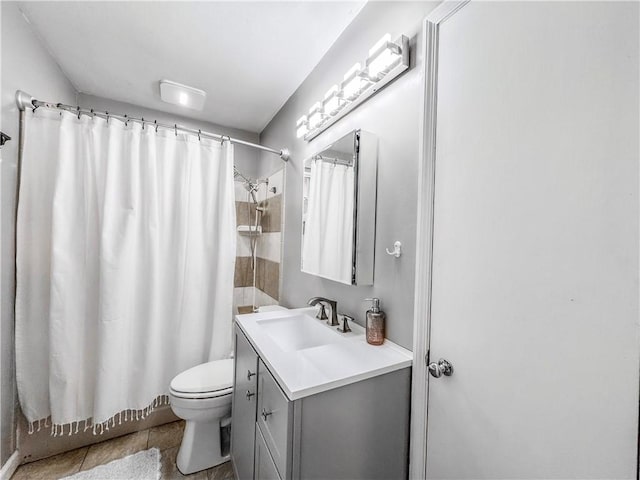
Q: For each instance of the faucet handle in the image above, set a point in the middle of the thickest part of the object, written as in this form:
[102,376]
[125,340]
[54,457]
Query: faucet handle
[345,324]
[322,313]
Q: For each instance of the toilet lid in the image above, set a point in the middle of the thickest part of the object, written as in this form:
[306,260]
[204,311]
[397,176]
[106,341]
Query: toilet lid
[207,377]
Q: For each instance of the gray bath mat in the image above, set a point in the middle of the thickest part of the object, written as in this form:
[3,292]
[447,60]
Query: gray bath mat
[143,465]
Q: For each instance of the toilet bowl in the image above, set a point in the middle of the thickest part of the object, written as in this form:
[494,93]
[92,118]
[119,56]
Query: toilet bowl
[202,397]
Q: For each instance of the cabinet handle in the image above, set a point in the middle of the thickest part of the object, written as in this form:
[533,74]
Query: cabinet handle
[265,414]
[249,395]
[249,374]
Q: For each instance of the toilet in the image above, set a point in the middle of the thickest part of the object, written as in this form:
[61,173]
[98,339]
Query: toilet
[202,396]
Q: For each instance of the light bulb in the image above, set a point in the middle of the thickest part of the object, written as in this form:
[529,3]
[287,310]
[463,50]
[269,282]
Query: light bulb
[315,115]
[301,127]
[353,82]
[382,56]
[332,101]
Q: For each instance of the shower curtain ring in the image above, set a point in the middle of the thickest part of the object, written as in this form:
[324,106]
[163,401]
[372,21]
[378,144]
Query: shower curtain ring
[143,123]
[199,132]
[107,114]
[126,120]
[175,128]
[156,123]
[78,108]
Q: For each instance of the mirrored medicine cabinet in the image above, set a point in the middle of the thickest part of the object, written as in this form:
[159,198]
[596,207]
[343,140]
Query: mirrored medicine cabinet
[339,210]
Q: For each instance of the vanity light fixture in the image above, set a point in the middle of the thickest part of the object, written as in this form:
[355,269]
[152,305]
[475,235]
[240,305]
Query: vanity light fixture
[302,126]
[386,61]
[183,95]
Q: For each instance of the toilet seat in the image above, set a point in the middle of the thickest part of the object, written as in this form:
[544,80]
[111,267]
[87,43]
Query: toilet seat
[201,395]
[208,380]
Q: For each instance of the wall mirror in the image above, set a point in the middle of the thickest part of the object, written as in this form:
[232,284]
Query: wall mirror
[339,210]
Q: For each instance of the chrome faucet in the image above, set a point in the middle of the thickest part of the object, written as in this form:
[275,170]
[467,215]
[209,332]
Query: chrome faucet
[345,324]
[322,315]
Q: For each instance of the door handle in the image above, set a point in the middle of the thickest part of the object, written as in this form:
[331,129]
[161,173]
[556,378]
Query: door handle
[443,367]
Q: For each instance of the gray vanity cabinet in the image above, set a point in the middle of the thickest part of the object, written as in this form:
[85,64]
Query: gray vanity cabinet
[244,407]
[357,431]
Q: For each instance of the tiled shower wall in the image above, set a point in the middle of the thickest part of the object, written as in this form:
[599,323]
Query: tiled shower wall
[268,249]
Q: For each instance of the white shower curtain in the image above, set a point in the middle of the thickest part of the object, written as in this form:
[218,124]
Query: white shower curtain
[327,247]
[125,260]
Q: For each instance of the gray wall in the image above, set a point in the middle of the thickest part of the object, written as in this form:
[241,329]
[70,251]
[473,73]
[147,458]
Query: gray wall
[26,65]
[245,157]
[392,115]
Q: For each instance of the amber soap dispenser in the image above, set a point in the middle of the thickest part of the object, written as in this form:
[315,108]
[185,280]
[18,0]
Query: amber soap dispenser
[375,323]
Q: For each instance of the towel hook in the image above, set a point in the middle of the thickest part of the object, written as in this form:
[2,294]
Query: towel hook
[397,249]
[4,138]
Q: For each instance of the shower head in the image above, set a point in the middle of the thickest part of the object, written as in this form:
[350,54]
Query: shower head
[236,174]
[251,188]
[248,184]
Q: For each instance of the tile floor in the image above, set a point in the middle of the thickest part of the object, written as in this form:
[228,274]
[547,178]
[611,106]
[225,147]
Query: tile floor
[165,437]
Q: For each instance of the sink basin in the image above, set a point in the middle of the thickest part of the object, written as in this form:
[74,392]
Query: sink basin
[297,333]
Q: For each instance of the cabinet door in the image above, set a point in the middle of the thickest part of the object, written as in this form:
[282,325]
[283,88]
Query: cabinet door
[275,418]
[243,422]
[265,468]
[535,226]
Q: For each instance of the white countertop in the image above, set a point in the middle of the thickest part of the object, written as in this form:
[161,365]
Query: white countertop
[345,359]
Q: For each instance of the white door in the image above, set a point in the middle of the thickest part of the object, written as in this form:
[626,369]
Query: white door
[535,292]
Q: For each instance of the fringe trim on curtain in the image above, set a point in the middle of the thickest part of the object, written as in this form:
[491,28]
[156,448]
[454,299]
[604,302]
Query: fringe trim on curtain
[57,429]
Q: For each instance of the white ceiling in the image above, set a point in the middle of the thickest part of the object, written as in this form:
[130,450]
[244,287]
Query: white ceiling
[248,56]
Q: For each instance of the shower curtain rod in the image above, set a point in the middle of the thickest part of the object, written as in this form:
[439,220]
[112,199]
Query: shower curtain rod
[24,100]
[334,160]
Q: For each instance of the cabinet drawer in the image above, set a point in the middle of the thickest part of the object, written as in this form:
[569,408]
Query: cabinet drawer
[275,415]
[265,468]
